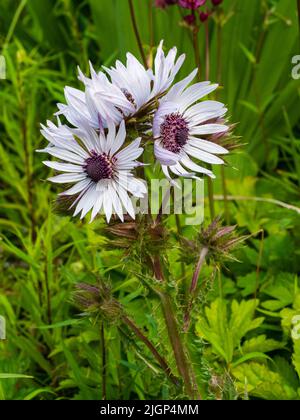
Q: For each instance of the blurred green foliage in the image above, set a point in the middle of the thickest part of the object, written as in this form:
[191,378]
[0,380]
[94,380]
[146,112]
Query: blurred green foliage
[240,339]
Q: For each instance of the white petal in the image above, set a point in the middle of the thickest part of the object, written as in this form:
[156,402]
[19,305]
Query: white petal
[203,117]
[180,171]
[107,205]
[63,155]
[179,87]
[137,187]
[186,161]
[207,146]
[64,167]
[194,93]
[204,107]
[126,201]
[97,207]
[116,203]
[88,136]
[165,170]
[111,135]
[90,200]
[86,197]
[204,156]
[119,140]
[165,69]
[77,188]
[62,137]
[65,178]
[131,152]
[208,129]
[127,165]
[164,156]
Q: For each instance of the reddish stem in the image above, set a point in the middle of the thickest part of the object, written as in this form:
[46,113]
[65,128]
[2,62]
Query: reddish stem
[136,32]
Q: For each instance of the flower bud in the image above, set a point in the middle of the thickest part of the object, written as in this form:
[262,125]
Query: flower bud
[190,19]
[203,16]
[219,240]
[97,301]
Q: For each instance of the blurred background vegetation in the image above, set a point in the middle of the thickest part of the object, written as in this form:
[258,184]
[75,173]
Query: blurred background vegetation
[241,336]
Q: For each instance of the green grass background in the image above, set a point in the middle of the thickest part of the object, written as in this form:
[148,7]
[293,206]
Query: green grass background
[241,337]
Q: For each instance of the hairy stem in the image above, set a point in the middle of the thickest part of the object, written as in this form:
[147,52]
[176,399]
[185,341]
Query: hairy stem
[152,349]
[178,348]
[159,275]
[137,34]
[179,232]
[174,337]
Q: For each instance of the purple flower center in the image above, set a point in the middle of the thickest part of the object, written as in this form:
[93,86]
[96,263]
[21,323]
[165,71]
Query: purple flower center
[99,166]
[174,132]
[129,97]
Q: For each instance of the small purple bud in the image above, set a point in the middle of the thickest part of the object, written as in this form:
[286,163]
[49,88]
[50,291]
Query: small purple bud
[190,19]
[203,16]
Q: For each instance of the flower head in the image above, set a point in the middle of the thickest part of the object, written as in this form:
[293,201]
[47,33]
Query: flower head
[97,300]
[97,165]
[93,155]
[182,128]
[219,241]
[191,4]
[121,91]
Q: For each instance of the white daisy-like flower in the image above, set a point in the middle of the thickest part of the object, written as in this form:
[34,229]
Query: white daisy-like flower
[179,124]
[101,101]
[126,91]
[98,166]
